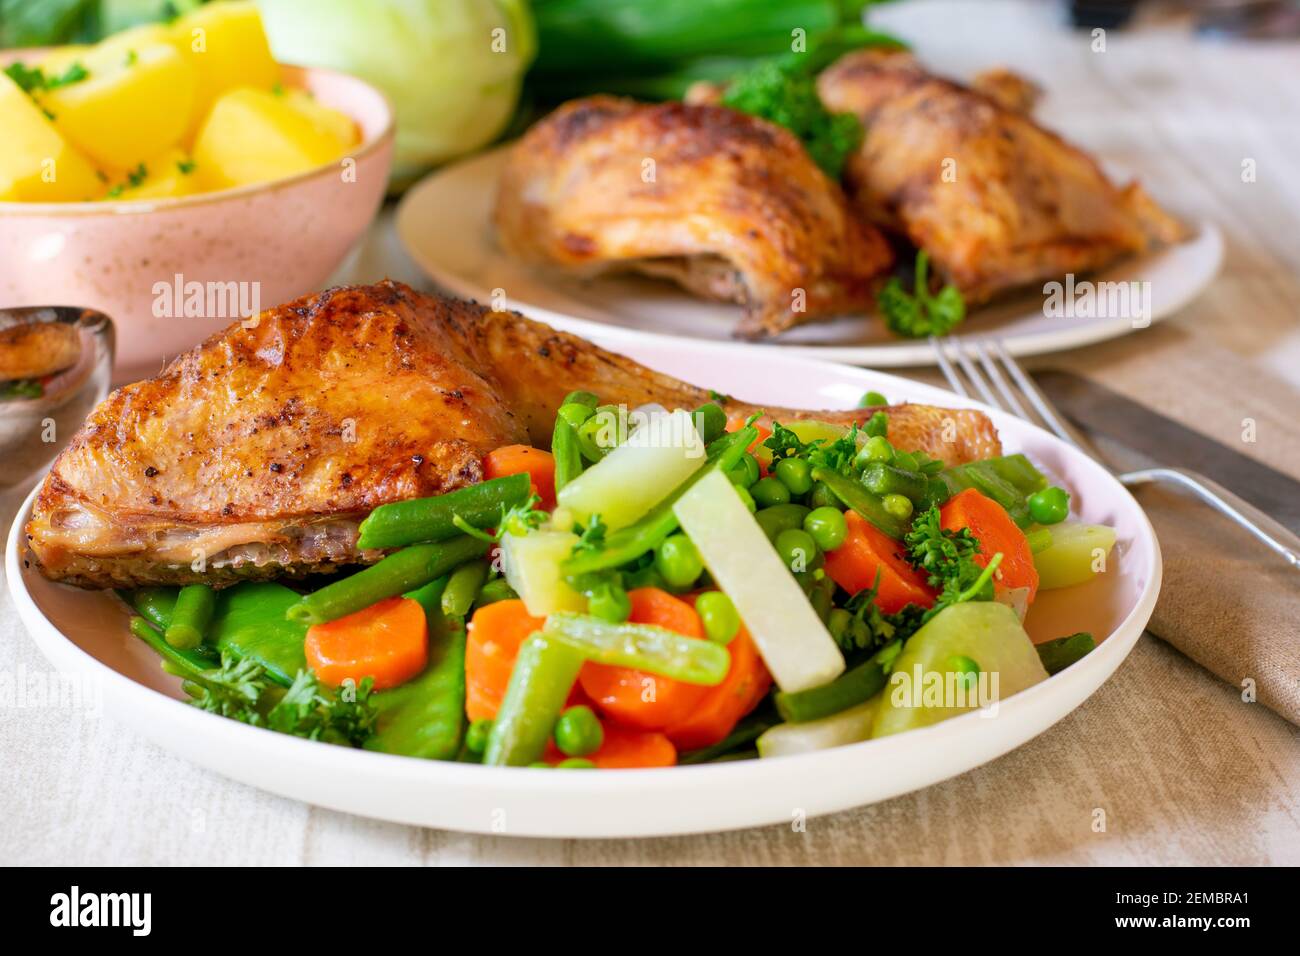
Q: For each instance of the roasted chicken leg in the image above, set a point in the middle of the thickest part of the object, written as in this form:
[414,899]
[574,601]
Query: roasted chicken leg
[729,206]
[257,453]
[994,199]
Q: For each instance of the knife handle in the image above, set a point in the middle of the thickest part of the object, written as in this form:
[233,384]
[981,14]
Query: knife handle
[1270,532]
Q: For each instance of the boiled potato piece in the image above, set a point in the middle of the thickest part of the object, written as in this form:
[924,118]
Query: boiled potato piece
[227,47]
[36,163]
[252,136]
[128,106]
[324,118]
[922,686]
[1076,554]
[168,175]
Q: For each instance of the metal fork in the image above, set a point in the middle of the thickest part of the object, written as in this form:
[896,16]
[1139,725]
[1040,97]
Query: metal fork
[998,380]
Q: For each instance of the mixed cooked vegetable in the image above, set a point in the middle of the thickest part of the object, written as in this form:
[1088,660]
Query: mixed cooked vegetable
[661,587]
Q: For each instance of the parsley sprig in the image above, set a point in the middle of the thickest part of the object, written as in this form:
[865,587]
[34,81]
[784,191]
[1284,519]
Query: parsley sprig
[918,314]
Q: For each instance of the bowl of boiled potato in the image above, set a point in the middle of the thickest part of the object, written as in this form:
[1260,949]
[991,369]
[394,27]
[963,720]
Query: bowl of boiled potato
[175,177]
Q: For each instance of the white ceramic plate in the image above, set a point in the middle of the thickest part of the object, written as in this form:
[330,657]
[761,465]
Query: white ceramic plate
[85,631]
[445,224]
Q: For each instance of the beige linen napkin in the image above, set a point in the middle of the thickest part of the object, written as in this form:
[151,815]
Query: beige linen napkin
[1227,602]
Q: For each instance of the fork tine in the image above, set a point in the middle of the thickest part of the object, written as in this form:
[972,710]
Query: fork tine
[950,373]
[974,374]
[1036,397]
[999,380]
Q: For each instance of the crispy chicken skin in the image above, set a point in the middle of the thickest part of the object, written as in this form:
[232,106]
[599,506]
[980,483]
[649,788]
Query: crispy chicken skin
[732,208]
[1024,205]
[260,450]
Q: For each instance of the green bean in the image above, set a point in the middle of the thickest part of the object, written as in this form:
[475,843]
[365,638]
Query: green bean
[188,663]
[1059,654]
[430,519]
[745,732]
[1040,539]
[882,479]
[154,604]
[848,690]
[540,682]
[641,646]
[425,717]
[854,495]
[399,572]
[463,587]
[191,616]
[567,452]
[581,398]
[647,533]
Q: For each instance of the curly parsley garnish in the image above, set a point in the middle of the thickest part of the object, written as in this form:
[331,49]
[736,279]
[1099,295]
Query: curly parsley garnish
[918,314]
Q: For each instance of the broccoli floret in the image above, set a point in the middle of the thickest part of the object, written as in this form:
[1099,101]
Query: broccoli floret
[783,92]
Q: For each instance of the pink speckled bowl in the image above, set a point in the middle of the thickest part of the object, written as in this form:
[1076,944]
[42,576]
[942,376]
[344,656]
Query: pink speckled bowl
[283,238]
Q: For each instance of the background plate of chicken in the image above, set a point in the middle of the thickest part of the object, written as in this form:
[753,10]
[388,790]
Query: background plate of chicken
[621,219]
[373,426]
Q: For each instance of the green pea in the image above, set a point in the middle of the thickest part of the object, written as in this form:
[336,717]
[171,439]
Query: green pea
[678,561]
[967,670]
[746,471]
[578,732]
[795,474]
[718,615]
[778,518]
[746,499]
[609,602]
[821,496]
[878,448]
[827,527]
[872,400]
[710,422]
[898,505]
[877,424]
[1049,506]
[769,491]
[797,549]
[476,737]
[575,763]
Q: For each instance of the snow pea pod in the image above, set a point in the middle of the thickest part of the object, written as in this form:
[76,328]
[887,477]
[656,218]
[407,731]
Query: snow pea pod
[425,717]
[155,605]
[855,496]
[645,647]
[250,621]
[430,519]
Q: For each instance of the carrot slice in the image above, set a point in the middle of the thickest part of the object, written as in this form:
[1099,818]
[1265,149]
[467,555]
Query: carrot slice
[637,699]
[524,459]
[739,693]
[624,749]
[387,641]
[736,421]
[495,632]
[867,550]
[989,522]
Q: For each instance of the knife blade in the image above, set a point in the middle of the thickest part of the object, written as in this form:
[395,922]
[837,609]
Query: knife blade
[1131,436]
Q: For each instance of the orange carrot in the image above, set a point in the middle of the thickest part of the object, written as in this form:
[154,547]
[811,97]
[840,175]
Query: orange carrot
[641,700]
[624,749]
[739,693]
[989,522]
[866,551]
[736,421]
[516,459]
[387,641]
[495,632]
